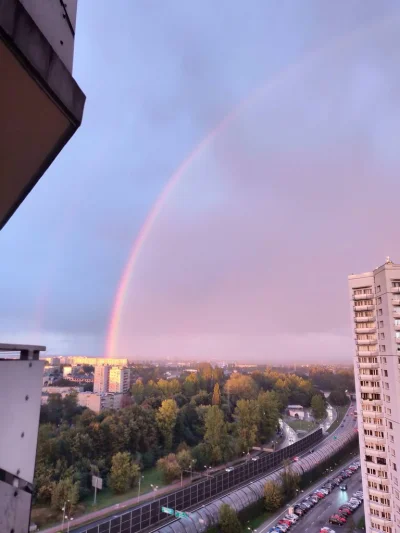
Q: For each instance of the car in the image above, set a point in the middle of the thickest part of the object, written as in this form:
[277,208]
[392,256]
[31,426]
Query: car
[314,499]
[352,505]
[299,511]
[320,494]
[358,494]
[346,506]
[282,527]
[344,510]
[355,501]
[285,522]
[337,519]
[255,458]
[229,469]
[324,491]
[307,504]
[326,530]
[292,517]
[291,520]
[343,487]
[295,459]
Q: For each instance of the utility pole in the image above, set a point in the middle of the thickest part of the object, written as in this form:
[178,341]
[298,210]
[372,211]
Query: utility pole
[140,480]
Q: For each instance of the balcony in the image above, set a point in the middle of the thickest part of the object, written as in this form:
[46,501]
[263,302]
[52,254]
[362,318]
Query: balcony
[361,319]
[396,301]
[366,342]
[367,353]
[370,402]
[368,365]
[397,339]
[41,103]
[366,330]
[369,307]
[396,313]
[20,394]
[363,296]
[377,427]
[375,440]
[365,388]
[395,290]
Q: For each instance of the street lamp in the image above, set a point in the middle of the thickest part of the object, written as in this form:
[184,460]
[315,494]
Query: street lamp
[63,509]
[155,489]
[69,520]
[140,480]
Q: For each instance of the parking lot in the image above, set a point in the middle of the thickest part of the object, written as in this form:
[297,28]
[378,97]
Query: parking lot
[318,516]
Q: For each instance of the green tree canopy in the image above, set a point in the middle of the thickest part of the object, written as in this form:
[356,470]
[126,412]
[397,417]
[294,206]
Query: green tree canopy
[166,420]
[272,496]
[247,415]
[228,520]
[124,473]
[318,407]
[216,433]
[169,467]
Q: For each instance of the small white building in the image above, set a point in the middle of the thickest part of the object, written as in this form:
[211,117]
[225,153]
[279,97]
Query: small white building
[98,402]
[296,411]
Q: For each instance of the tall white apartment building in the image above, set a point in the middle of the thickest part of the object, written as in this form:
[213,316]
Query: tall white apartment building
[101,379]
[375,308]
[119,379]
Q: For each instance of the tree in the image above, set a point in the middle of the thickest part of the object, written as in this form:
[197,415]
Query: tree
[338,397]
[216,433]
[318,407]
[166,419]
[289,481]
[216,397]
[169,467]
[65,490]
[191,385]
[272,496]
[228,520]
[137,391]
[247,420]
[124,473]
[269,414]
[185,459]
[241,386]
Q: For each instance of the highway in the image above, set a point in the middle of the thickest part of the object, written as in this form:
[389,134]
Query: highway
[318,516]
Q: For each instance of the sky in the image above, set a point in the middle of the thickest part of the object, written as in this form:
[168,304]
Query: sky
[249,254]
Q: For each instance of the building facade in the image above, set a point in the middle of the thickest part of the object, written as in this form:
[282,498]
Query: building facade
[375,309]
[76,360]
[99,402]
[119,380]
[101,378]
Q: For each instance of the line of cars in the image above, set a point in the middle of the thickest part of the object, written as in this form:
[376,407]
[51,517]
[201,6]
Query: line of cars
[345,510]
[301,508]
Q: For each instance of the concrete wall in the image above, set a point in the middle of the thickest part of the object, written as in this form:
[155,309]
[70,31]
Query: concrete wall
[51,19]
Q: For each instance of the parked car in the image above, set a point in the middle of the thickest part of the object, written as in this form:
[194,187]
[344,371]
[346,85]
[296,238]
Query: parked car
[288,523]
[299,511]
[326,530]
[345,510]
[229,469]
[314,499]
[337,519]
[292,517]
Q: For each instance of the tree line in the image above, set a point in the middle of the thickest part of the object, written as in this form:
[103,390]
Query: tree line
[180,425]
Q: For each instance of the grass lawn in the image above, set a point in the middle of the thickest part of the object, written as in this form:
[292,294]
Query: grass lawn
[255,522]
[106,497]
[341,411]
[44,516]
[302,425]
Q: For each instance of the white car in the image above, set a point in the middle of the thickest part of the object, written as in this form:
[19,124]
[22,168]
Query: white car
[293,517]
[229,469]
[327,530]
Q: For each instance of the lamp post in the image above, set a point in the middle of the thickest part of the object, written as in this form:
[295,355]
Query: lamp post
[63,509]
[155,489]
[69,520]
[140,480]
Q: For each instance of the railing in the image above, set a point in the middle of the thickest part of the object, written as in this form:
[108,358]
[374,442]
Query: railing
[149,514]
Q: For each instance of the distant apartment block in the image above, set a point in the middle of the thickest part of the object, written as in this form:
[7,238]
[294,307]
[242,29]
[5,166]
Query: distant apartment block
[375,309]
[119,380]
[67,370]
[101,378]
[75,360]
[99,402]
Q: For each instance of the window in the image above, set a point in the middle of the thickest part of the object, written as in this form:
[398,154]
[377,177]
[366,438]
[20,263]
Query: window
[396,283]
[385,373]
[381,336]
[386,385]
[382,348]
[379,300]
[387,398]
[390,425]
[380,312]
[378,288]
[384,360]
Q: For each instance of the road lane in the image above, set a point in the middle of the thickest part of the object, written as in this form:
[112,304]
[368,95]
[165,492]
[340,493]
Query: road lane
[318,516]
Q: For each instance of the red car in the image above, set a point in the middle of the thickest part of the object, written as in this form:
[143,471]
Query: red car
[337,519]
[344,510]
[320,495]
[285,522]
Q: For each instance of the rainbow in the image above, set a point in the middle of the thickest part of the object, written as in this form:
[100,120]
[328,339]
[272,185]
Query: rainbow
[120,298]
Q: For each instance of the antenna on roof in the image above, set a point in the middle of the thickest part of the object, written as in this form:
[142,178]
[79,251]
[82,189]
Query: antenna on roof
[388,261]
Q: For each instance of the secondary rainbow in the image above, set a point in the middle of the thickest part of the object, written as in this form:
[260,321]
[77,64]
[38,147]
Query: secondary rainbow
[145,230]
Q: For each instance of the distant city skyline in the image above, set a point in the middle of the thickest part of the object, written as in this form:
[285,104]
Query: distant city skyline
[249,254]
